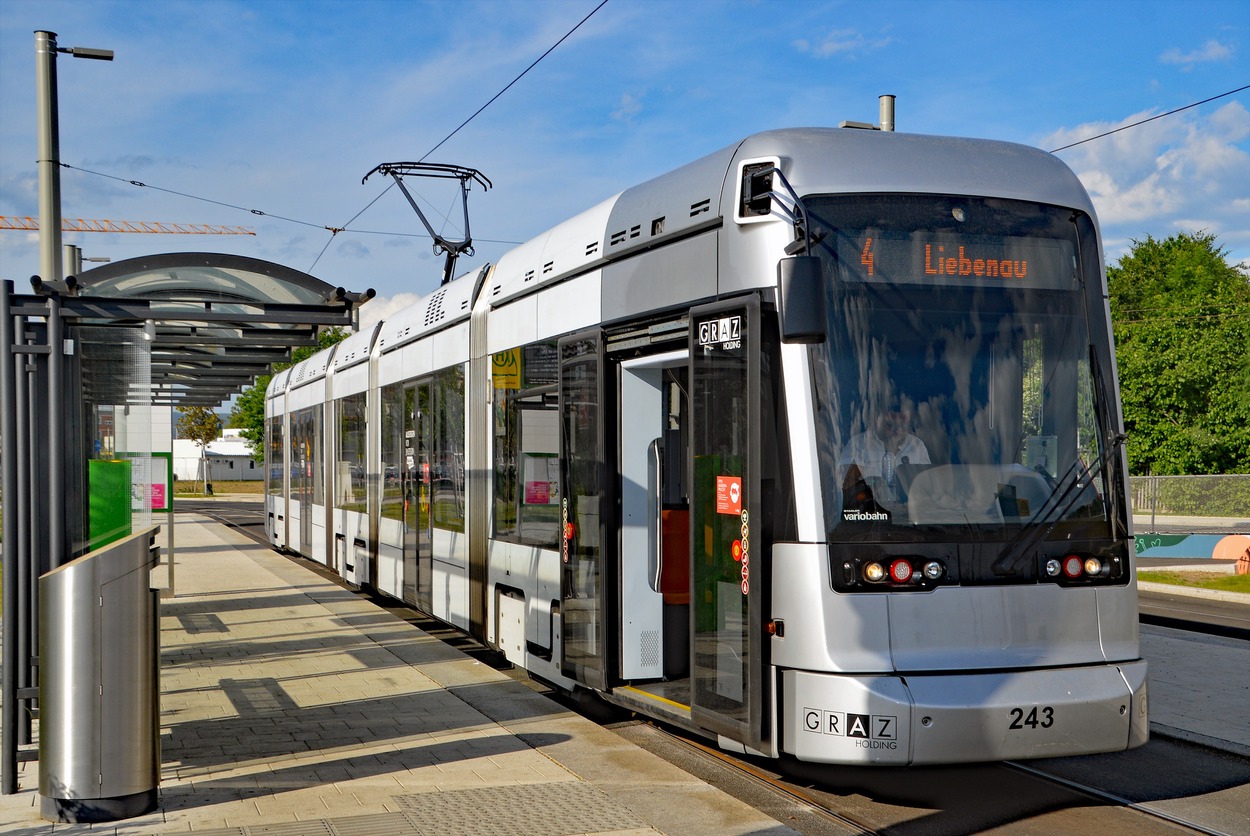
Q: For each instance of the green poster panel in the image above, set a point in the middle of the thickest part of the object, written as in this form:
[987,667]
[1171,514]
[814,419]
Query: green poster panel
[108,503]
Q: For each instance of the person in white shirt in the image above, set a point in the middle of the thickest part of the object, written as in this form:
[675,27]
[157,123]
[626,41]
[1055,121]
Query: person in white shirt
[878,452]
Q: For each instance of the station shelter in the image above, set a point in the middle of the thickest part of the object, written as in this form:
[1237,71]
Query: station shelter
[92,370]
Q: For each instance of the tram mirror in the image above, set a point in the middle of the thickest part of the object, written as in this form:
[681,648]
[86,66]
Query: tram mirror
[801,299]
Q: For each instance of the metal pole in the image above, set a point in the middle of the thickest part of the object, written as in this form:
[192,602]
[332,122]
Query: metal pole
[49,159]
[72,259]
[886,109]
[28,537]
[56,434]
[8,440]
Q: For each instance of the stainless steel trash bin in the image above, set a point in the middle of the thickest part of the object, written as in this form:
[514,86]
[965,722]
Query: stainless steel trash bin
[99,684]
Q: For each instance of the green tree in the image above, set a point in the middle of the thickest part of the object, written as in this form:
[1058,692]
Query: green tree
[201,425]
[1181,317]
[248,413]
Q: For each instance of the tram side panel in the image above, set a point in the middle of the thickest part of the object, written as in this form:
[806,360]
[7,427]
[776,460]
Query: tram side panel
[349,460]
[276,460]
[308,507]
[402,515]
[422,548]
[523,571]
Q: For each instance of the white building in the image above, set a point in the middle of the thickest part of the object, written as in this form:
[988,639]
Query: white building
[229,459]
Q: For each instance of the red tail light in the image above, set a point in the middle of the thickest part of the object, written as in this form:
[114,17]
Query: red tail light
[900,571]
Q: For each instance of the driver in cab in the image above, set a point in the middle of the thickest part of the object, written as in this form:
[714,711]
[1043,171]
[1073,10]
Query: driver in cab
[875,455]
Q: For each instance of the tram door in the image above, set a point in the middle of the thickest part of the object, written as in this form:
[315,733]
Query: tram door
[726,589]
[304,485]
[583,503]
[418,493]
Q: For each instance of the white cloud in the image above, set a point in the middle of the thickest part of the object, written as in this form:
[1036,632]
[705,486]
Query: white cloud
[629,107]
[1185,172]
[381,308]
[848,42]
[1210,51]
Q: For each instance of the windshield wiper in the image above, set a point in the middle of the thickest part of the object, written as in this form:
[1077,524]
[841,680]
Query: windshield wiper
[1015,553]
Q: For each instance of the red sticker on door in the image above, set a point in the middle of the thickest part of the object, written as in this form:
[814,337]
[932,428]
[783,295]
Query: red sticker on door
[729,495]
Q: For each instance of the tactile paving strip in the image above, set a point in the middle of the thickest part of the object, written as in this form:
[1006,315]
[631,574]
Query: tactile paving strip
[553,809]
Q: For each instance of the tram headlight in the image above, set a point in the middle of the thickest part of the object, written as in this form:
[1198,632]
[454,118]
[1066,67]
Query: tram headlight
[874,572]
[1093,566]
[1073,566]
[1053,568]
[934,570]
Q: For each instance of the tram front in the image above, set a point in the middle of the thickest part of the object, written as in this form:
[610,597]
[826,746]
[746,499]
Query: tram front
[978,597]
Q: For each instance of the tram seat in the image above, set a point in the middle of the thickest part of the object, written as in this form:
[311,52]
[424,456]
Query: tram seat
[675,587]
[675,571]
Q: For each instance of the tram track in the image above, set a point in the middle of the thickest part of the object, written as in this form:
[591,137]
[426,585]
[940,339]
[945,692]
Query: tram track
[1110,797]
[871,809]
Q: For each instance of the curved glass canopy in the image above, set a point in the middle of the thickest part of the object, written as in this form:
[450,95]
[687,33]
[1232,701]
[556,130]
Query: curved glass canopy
[214,321]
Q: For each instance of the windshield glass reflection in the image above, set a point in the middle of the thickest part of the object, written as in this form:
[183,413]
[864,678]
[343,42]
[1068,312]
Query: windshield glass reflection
[953,395]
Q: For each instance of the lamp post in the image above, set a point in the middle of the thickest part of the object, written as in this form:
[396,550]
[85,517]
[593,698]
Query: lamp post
[17,595]
[49,159]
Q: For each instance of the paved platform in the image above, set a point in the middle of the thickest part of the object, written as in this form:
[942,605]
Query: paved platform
[291,706]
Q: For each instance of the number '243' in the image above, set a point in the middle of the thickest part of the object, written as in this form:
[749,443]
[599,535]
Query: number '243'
[1036,717]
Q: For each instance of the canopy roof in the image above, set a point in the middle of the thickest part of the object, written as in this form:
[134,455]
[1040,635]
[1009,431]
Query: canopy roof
[217,322]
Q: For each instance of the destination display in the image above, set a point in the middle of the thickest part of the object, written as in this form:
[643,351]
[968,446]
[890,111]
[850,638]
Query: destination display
[942,258]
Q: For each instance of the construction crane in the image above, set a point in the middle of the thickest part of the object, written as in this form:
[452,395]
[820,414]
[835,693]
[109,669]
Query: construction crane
[29,224]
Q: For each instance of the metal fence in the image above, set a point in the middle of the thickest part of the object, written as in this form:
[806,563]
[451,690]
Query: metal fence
[1191,504]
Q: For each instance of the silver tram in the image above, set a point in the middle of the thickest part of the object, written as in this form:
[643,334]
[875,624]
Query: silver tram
[812,445]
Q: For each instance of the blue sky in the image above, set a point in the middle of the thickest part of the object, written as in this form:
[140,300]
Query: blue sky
[284,106]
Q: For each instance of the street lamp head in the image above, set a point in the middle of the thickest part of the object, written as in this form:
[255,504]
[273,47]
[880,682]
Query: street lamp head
[88,52]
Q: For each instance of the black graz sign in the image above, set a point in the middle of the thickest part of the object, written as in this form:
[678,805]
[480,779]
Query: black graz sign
[868,731]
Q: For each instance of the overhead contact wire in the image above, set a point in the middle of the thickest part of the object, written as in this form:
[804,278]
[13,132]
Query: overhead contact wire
[336,231]
[1144,121]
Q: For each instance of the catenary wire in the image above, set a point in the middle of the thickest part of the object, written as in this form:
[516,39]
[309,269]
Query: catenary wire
[567,35]
[335,230]
[1144,121]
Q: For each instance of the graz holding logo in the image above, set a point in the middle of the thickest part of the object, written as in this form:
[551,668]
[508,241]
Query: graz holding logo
[868,731]
[726,331]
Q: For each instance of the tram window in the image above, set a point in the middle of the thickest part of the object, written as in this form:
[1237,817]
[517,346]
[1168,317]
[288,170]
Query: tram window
[273,471]
[392,450]
[447,468]
[351,486]
[306,445]
[526,484]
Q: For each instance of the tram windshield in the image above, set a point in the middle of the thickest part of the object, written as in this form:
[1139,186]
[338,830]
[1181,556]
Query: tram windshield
[958,393]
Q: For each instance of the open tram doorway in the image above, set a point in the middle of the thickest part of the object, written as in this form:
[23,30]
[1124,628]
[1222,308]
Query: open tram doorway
[662,583]
[625,509]
[654,451]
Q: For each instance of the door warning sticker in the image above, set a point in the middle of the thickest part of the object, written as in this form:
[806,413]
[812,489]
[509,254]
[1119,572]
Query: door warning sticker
[729,495]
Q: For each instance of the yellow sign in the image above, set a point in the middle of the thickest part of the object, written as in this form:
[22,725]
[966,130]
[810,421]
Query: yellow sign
[506,369]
